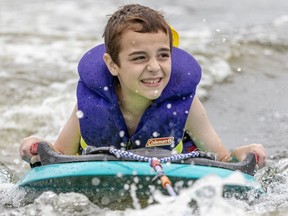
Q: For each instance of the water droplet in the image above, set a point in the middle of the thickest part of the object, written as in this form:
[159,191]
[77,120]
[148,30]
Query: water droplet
[121,193]
[119,175]
[134,172]
[126,187]
[95,181]
[105,200]
[174,113]
[106,88]
[155,134]
[174,151]
[136,180]
[112,189]
[156,93]
[186,112]
[147,178]
[169,106]
[79,114]
[138,142]
[121,133]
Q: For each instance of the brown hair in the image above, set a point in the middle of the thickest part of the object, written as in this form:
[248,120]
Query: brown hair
[132,17]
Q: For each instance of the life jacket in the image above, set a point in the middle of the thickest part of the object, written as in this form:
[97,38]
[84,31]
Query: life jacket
[162,124]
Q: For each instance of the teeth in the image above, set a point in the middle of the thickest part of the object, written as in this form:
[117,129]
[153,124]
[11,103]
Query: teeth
[151,81]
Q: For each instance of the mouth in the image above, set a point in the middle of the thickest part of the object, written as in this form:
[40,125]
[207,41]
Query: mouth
[151,82]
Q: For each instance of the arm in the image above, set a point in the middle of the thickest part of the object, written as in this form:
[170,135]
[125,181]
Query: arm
[202,132]
[206,139]
[69,139]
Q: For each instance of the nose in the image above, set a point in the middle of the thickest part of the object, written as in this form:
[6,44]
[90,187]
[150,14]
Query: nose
[153,65]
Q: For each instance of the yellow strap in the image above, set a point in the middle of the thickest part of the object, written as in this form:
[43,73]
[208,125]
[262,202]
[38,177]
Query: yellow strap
[175,37]
[83,144]
[179,147]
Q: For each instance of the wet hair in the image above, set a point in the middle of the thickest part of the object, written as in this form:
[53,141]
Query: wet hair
[133,17]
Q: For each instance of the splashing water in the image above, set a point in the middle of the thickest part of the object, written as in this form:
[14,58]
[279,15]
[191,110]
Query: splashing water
[204,197]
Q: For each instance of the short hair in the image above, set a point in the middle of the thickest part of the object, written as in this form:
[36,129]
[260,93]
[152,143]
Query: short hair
[134,17]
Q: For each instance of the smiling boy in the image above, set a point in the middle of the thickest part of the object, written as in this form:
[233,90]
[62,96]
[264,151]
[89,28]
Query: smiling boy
[143,72]
[144,93]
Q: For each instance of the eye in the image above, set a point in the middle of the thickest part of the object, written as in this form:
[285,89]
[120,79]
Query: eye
[138,59]
[164,55]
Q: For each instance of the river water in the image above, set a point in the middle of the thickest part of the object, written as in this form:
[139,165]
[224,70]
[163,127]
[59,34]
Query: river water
[242,47]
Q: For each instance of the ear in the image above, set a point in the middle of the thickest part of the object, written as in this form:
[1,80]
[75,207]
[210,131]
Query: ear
[112,67]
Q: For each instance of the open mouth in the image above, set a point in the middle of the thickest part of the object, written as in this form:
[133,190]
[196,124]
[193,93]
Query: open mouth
[151,81]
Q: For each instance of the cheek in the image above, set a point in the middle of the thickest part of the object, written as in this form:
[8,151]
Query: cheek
[167,70]
[128,76]
[132,71]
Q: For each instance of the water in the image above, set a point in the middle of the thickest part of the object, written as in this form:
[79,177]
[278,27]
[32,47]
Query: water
[241,46]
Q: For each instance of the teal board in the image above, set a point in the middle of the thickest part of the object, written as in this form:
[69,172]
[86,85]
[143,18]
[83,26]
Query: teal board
[101,176]
[120,168]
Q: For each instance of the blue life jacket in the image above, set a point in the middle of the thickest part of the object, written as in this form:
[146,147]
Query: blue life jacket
[162,124]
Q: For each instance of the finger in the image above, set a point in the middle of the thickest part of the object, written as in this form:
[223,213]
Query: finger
[260,158]
[25,155]
[34,148]
[262,161]
[256,156]
[34,159]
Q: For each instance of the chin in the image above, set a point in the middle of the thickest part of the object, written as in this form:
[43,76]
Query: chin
[155,95]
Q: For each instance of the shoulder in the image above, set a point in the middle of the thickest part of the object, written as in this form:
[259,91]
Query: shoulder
[185,66]
[93,71]
[185,75]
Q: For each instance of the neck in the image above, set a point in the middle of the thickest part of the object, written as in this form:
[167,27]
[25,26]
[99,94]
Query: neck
[132,104]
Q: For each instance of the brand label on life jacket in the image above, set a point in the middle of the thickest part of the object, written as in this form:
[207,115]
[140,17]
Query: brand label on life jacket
[163,141]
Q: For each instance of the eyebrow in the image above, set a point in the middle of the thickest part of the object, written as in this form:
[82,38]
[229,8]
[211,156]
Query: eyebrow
[142,52]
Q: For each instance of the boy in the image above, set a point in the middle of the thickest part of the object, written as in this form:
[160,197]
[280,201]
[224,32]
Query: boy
[146,99]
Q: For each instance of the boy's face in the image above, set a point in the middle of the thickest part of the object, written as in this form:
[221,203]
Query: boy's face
[145,64]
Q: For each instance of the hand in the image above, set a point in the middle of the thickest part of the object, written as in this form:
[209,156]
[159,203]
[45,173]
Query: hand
[25,150]
[240,153]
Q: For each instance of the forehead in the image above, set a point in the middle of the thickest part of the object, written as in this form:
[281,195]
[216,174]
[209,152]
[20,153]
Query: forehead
[134,40]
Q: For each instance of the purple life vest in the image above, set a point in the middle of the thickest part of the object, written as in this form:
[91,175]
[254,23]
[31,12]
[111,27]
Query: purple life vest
[161,125]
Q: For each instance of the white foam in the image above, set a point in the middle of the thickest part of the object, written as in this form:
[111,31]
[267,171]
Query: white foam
[282,20]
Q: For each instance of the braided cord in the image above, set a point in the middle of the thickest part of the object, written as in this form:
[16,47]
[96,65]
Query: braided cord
[126,154]
[178,157]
